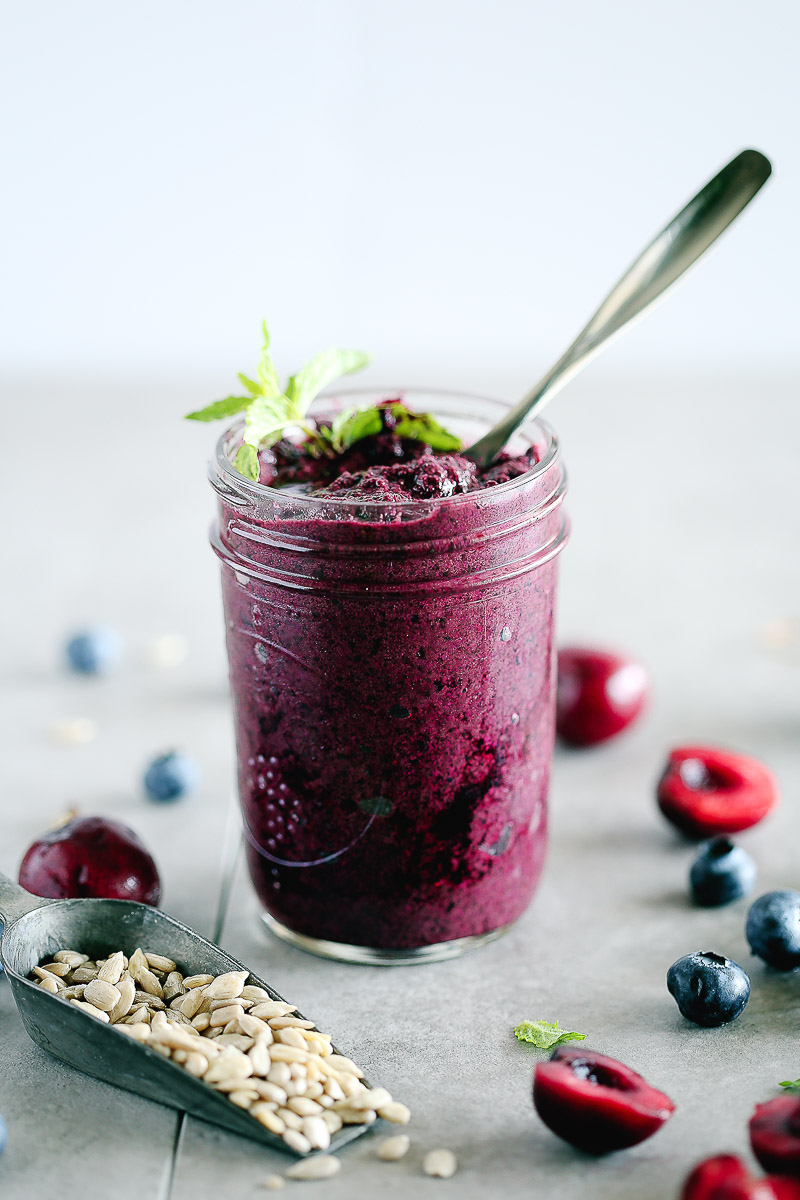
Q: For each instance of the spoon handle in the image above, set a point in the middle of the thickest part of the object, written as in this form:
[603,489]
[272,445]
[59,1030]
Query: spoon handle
[15,901]
[669,255]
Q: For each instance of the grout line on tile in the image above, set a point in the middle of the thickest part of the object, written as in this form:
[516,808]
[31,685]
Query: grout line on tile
[229,859]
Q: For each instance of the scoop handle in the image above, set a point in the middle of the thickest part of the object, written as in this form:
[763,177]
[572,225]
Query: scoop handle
[658,267]
[15,901]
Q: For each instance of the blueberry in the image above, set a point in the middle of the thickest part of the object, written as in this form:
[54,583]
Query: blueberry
[94,651]
[773,929]
[3,1135]
[722,872]
[709,989]
[171,776]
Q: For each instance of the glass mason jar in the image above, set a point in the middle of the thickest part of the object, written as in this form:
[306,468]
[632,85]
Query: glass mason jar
[393,678]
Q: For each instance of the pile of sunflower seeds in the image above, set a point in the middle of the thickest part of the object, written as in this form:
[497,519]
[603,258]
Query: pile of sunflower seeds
[233,1036]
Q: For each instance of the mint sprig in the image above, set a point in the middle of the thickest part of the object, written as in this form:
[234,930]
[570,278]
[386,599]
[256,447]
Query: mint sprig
[791,1085]
[544,1035]
[269,411]
[353,424]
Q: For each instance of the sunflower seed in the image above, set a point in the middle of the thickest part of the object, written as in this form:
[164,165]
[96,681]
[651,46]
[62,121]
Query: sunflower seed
[91,1010]
[250,992]
[303,1106]
[197,981]
[139,1032]
[440,1163]
[157,962]
[102,995]
[297,1141]
[395,1112]
[227,986]
[332,1120]
[393,1148]
[317,1133]
[173,986]
[50,984]
[273,1008]
[274,1183]
[71,958]
[112,968]
[322,1166]
[268,1118]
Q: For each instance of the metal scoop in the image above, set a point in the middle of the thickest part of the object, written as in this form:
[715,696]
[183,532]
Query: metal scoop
[37,928]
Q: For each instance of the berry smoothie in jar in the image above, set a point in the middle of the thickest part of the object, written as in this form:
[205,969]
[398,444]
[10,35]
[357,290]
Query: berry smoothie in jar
[390,630]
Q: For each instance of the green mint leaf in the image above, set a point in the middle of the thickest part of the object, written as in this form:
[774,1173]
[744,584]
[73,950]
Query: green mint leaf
[228,407]
[322,369]
[791,1084]
[266,419]
[422,427]
[247,462]
[266,368]
[351,424]
[545,1034]
[255,389]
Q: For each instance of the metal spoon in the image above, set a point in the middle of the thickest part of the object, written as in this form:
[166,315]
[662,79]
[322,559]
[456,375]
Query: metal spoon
[36,928]
[680,243]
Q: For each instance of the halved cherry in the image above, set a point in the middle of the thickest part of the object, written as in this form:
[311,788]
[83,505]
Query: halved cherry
[599,694]
[705,791]
[725,1177]
[775,1135]
[596,1103]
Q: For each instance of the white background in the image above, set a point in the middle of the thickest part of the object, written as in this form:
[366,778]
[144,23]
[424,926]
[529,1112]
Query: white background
[449,184]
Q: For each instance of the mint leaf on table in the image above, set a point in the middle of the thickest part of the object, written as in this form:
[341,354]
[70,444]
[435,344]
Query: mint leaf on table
[268,410]
[791,1085]
[544,1035]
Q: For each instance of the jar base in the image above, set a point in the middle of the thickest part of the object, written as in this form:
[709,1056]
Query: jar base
[374,957]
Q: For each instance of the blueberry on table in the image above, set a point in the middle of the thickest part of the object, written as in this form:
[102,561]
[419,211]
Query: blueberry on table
[596,1103]
[599,695]
[94,651]
[775,1135]
[705,791]
[171,776]
[773,929]
[91,856]
[721,873]
[708,988]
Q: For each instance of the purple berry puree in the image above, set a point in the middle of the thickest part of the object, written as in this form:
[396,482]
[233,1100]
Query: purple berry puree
[393,677]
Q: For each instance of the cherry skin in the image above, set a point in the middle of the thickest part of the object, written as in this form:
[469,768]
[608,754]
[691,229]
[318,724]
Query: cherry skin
[596,1103]
[91,856]
[706,791]
[599,695]
[725,1177]
[775,1135]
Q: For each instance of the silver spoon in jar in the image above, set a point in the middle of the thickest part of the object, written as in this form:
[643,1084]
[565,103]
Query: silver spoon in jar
[669,255]
[37,928]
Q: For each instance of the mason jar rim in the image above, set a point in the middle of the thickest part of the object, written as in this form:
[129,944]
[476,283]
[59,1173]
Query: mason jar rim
[260,491]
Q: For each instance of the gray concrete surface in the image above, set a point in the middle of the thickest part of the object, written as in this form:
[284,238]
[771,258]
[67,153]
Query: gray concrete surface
[684,548]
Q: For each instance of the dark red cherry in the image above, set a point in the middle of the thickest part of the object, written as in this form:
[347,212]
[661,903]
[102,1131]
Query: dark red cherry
[705,791]
[599,694]
[775,1135]
[725,1177]
[597,1103]
[91,856]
